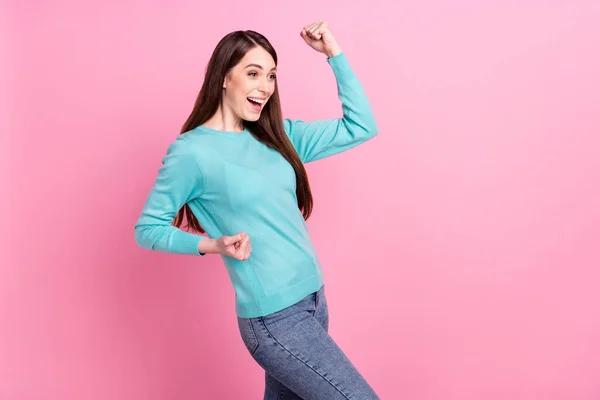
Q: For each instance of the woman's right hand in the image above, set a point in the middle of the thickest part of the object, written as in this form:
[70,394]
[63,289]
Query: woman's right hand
[237,246]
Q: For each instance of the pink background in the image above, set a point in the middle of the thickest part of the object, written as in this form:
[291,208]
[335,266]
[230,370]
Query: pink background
[460,247]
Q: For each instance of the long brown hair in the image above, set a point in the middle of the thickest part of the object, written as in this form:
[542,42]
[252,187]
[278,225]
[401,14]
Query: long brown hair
[269,127]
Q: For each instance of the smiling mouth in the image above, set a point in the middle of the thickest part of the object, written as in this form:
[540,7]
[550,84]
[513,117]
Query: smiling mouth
[256,104]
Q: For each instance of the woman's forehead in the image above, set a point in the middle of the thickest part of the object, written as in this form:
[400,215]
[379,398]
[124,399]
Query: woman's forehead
[258,56]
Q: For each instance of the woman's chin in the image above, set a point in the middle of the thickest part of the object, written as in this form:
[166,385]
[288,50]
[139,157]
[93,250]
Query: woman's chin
[252,117]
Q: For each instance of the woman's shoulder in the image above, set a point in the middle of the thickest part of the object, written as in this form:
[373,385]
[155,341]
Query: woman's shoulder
[191,145]
[196,140]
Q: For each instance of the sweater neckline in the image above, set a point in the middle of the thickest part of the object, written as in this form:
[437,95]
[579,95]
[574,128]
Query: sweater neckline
[228,133]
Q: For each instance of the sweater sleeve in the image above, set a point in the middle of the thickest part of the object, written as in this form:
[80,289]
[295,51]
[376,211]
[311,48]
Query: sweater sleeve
[179,180]
[323,138]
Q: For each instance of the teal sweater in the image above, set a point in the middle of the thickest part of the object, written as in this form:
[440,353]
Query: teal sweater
[234,183]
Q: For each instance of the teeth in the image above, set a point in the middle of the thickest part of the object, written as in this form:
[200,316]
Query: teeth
[260,101]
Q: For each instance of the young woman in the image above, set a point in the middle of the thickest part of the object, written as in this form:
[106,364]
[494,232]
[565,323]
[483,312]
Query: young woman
[238,167]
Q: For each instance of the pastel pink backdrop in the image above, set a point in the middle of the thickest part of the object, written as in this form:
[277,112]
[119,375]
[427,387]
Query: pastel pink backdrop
[460,247]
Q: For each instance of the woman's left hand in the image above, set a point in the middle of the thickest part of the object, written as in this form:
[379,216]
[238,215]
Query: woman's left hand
[319,37]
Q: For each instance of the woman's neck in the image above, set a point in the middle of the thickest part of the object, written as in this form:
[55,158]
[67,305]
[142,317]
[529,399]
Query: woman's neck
[225,121]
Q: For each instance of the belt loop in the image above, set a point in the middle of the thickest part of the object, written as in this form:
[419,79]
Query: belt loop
[316,299]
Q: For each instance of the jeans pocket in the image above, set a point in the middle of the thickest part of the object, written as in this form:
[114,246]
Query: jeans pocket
[248,334]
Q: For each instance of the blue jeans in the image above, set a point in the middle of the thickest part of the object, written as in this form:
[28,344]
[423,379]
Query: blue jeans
[300,359]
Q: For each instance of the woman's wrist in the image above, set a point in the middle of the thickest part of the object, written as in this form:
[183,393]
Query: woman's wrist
[334,52]
[207,246]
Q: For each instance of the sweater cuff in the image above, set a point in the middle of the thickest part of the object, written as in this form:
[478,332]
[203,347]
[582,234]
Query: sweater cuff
[188,243]
[341,66]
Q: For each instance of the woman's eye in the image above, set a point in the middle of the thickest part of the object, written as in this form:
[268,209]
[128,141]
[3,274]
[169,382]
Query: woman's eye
[254,74]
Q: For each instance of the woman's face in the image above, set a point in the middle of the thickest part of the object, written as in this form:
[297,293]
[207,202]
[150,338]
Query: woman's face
[250,84]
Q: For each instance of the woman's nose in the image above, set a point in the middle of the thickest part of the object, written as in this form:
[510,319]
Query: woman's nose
[263,86]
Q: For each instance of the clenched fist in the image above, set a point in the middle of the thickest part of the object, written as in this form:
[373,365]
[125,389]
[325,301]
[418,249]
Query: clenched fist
[318,36]
[237,246]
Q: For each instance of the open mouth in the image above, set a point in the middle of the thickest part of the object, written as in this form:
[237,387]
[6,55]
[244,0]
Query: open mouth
[256,103]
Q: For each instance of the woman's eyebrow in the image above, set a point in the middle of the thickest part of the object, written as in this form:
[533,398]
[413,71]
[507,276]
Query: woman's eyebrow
[259,67]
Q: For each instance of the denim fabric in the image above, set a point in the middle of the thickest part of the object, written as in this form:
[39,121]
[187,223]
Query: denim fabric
[300,359]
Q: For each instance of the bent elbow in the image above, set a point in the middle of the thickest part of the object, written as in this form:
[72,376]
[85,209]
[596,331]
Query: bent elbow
[370,126]
[372,129]
[140,236]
